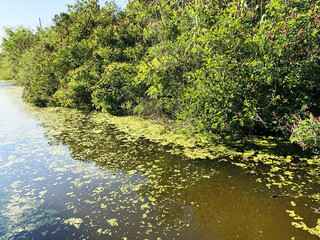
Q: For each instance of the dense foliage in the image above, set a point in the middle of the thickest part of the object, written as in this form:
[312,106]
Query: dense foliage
[16,59]
[305,132]
[228,66]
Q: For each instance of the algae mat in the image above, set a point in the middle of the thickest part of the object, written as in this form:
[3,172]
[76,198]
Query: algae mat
[74,175]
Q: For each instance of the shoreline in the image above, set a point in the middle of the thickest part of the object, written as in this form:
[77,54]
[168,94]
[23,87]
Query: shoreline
[183,139]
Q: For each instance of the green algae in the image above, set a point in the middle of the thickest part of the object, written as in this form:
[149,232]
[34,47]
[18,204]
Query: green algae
[183,140]
[300,224]
[113,222]
[74,222]
[282,172]
[21,215]
[122,180]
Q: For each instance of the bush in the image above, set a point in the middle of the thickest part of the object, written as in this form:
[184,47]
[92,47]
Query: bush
[116,91]
[16,60]
[306,133]
[76,90]
[233,67]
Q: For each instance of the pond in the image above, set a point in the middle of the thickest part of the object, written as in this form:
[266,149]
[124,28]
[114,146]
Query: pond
[67,174]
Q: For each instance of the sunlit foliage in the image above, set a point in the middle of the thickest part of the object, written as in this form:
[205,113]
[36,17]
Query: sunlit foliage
[227,67]
[18,51]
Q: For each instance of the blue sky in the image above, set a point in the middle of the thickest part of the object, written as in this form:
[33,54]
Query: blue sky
[27,12]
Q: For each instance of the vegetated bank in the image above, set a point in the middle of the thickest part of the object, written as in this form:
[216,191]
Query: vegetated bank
[230,68]
[216,68]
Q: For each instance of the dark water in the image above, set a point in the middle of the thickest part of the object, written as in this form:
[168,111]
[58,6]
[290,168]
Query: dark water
[65,174]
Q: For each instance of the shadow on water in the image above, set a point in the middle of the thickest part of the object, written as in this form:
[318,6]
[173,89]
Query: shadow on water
[95,182]
[267,145]
[225,200]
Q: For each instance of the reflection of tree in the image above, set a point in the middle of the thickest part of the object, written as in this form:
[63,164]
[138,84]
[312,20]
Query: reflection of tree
[218,206]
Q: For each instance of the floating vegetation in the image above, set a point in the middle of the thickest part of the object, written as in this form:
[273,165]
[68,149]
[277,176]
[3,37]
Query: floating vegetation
[69,174]
[22,214]
[74,222]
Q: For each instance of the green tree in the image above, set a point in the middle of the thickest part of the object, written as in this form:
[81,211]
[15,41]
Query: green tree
[16,59]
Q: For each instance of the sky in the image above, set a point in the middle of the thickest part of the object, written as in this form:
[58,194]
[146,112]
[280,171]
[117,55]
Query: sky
[27,12]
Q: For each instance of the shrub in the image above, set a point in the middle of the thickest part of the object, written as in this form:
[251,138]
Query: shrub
[77,89]
[16,60]
[116,91]
[233,67]
[306,133]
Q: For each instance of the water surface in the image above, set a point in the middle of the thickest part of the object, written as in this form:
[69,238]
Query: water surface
[67,174]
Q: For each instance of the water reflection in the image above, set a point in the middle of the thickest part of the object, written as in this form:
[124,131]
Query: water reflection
[71,174]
